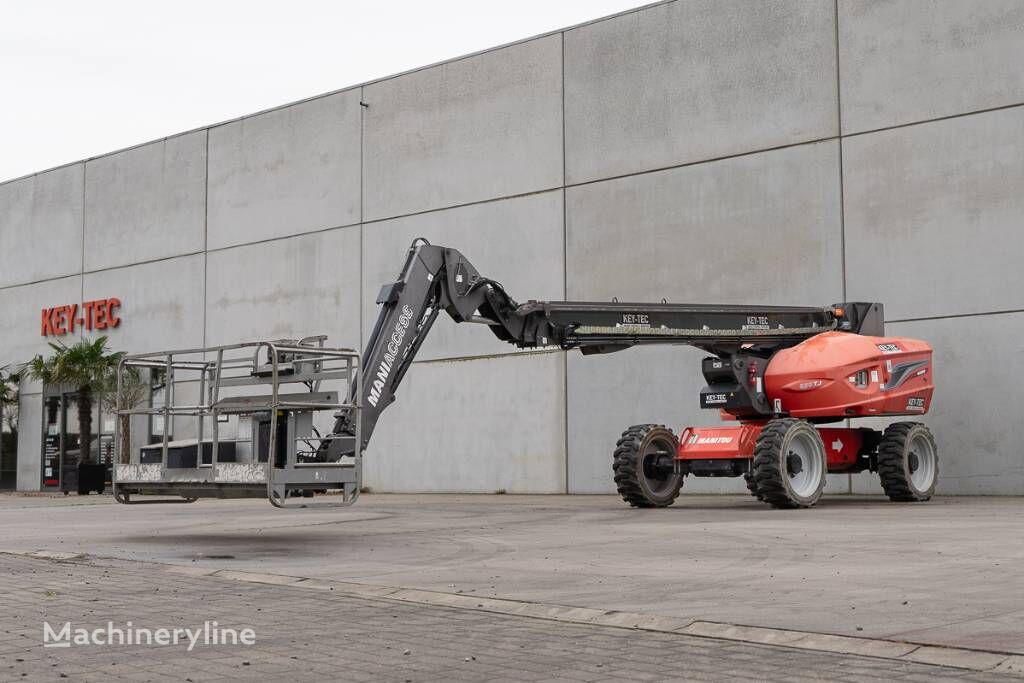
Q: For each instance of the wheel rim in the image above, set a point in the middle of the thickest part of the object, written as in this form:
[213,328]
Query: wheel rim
[922,462]
[657,466]
[803,465]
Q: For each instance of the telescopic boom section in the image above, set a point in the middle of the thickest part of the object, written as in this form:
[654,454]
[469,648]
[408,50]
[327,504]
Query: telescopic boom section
[436,278]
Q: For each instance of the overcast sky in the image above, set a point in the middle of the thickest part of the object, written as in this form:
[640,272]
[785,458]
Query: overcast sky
[79,78]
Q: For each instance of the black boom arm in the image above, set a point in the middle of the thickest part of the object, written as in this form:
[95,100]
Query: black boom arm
[436,278]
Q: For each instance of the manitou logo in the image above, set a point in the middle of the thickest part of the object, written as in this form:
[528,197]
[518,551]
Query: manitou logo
[707,440]
[384,369]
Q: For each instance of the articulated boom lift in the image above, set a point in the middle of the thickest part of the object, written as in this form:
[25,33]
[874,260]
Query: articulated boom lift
[779,371]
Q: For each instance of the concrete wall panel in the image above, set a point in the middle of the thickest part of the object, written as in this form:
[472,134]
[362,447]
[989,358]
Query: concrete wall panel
[22,309]
[146,203]
[686,81]
[518,242]
[161,303]
[285,172]
[910,60]
[979,361]
[477,128]
[934,216]
[286,288]
[758,229]
[30,442]
[474,426]
[41,226]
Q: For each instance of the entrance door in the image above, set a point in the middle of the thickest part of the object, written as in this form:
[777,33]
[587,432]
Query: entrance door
[53,421]
[61,447]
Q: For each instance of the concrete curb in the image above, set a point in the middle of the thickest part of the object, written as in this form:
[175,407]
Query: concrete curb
[960,658]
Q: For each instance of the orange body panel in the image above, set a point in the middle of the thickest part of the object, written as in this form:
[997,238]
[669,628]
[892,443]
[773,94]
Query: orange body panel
[835,374]
[842,444]
[711,443]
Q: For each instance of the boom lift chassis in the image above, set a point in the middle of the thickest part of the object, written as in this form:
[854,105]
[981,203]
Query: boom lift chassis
[779,371]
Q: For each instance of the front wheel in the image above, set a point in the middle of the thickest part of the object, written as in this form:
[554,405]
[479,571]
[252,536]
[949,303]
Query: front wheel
[644,466]
[789,464]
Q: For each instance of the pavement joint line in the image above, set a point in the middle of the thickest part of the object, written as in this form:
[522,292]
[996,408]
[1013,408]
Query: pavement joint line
[877,648]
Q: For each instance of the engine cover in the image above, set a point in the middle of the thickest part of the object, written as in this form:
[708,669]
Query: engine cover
[839,375]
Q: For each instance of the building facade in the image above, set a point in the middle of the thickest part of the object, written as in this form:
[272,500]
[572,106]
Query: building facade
[798,152]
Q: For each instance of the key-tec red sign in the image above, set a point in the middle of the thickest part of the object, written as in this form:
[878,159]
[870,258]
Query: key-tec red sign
[98,314]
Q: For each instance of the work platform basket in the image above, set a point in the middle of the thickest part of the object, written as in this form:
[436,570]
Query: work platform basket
[237,421]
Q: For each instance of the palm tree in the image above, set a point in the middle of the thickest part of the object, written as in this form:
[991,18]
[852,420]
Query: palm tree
[87,366]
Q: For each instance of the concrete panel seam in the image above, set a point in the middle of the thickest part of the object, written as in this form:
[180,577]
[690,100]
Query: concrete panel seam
[936,119]
[842,196]
[709,160]
[104,270]
[565,279]
[206,230]
[81,268]
[954,316]
[362,200]
[839,127]
[510,354]
[461,205]
[46,281]
[318,231]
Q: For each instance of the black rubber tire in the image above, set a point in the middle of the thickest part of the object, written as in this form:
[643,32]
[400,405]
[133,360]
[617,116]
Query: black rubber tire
[770,473]
[894,462]
[636,486]
[752,485]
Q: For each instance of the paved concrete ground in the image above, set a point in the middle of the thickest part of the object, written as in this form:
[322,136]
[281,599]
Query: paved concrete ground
[947,573]
[308,635]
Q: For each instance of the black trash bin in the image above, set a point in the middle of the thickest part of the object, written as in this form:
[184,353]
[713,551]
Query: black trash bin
[91,477]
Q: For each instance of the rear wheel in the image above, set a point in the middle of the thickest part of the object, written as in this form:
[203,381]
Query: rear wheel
[644,466]
[789,464]
[908,462]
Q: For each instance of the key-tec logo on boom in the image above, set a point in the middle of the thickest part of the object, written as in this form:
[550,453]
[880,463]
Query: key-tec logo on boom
[384,369]
[98,314]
